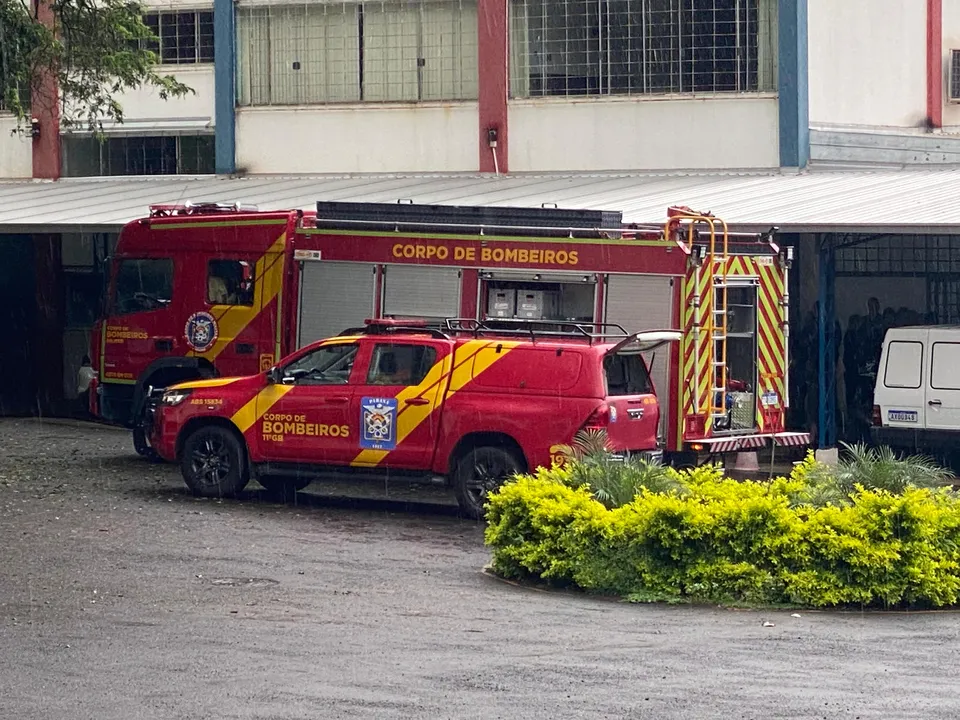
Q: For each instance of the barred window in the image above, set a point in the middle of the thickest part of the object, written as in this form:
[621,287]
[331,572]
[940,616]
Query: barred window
[348,52]
[637,47]
[86,156]
[184,37]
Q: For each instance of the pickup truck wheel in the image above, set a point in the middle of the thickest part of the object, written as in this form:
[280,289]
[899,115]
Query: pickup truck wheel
[284,489]
[479,472]
[213,462]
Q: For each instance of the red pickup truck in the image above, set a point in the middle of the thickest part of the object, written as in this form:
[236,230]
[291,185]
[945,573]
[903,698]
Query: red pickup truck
[464,401]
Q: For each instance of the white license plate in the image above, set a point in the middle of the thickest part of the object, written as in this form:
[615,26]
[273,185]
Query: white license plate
[902,416]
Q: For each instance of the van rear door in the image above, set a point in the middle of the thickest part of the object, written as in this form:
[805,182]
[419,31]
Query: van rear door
[899,387]
[631,398]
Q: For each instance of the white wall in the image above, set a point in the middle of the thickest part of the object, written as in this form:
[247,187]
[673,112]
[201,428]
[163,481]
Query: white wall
[867,62]
[145,103]
[439,137]
[644,133]
[16,151]
[951,41]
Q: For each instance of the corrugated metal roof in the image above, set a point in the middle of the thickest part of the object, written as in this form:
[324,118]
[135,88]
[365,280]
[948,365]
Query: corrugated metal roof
[889,200]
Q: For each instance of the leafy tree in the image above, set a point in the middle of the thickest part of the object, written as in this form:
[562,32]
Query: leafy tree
[94,49]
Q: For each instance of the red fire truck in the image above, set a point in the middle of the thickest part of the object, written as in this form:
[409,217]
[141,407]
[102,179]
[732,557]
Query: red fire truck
[208,290]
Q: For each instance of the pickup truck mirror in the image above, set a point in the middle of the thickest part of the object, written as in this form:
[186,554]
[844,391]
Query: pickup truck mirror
[274,375]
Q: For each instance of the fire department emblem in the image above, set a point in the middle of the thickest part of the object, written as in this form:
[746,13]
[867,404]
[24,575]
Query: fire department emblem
[201,331]
[378,423]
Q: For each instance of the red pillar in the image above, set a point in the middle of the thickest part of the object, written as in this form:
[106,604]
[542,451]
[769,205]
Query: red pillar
[493,82]
[935,63]
[45,113]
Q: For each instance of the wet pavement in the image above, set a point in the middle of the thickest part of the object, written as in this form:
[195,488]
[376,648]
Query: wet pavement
[121,596]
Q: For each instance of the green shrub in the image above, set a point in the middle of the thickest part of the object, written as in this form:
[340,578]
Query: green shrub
[804,539]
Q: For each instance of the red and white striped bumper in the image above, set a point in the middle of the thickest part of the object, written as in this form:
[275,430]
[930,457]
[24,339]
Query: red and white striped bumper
[728,444]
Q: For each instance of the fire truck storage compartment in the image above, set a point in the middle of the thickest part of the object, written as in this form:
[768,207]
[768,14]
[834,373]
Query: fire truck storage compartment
[334,296]
[538,296]
[645,302]
[421,291]
[742,353]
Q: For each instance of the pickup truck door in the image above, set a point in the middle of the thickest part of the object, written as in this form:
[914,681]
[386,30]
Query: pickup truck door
[311,423]
[396,405]
[943,381]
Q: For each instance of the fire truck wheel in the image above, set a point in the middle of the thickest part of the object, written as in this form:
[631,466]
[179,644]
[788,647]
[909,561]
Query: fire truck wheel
[214,463]
[283,488]
[481,471]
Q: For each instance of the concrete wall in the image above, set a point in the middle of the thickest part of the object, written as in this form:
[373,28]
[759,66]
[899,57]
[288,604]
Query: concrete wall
[358,138]
[16,151]
[868,62]
[145,105]
[643,134]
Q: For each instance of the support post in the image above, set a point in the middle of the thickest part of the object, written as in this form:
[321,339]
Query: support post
[827,371]
[224,73]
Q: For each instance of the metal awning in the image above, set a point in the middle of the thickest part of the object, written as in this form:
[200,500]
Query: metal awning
[891,201]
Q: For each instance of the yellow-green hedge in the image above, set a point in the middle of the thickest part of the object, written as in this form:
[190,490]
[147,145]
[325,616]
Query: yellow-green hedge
[728,541]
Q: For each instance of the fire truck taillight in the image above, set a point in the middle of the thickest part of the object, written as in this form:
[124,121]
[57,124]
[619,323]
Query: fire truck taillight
[599,419]
[877,416]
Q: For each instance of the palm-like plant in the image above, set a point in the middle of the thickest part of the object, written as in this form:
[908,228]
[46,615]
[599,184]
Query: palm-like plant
[881,469]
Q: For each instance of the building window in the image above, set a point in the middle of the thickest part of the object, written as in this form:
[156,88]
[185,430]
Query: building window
[86,156]
[641,47]
[352,52]
[185,38]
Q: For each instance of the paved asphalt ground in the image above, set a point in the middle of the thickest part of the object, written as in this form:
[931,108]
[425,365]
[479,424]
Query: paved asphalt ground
[122,597]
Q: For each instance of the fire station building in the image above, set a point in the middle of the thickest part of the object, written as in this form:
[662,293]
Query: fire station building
[837,123]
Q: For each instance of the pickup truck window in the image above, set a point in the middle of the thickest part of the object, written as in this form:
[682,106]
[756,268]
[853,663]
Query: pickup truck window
[143,285]
[395,364]
[327,365]
[904,363]
[627,375]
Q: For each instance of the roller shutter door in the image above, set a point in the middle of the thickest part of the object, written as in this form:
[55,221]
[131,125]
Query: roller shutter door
[421,291]
[644,302]
[333,297]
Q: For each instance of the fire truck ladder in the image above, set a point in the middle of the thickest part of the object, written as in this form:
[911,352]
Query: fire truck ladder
[687,222]
[717,328]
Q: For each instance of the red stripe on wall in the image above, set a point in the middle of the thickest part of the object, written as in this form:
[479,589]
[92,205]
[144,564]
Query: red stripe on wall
[492,79]
[935,62]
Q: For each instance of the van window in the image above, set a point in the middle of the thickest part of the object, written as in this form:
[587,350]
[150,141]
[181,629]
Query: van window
[627,375]
[904,360]
[945,366]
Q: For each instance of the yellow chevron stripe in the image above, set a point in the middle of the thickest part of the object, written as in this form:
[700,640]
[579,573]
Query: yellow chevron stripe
[245,417]
[199,384]
[233,319]
[463,366]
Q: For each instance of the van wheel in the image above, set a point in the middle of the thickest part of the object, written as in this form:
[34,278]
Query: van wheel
[480,472]
[284,489]
[213,462]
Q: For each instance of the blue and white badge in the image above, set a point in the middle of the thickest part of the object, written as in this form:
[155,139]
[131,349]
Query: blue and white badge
[201,331]
[378,423]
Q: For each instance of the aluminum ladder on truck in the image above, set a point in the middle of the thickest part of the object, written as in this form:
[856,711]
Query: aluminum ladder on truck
[717,269]
[717,328]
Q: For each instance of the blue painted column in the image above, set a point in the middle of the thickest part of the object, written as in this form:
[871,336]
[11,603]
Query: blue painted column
[224,75]
[792,83]
[827,362]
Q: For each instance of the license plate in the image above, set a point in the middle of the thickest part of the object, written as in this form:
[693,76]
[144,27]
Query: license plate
[902,416]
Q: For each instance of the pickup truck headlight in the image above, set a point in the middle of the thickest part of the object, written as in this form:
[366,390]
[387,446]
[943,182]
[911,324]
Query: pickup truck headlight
[174,397]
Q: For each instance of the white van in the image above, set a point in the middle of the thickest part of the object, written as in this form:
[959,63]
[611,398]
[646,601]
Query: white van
[917,393]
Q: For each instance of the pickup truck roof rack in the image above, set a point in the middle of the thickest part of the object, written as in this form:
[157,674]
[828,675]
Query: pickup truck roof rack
[534,329]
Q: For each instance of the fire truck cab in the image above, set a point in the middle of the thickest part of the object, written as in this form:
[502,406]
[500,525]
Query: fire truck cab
[210,291]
